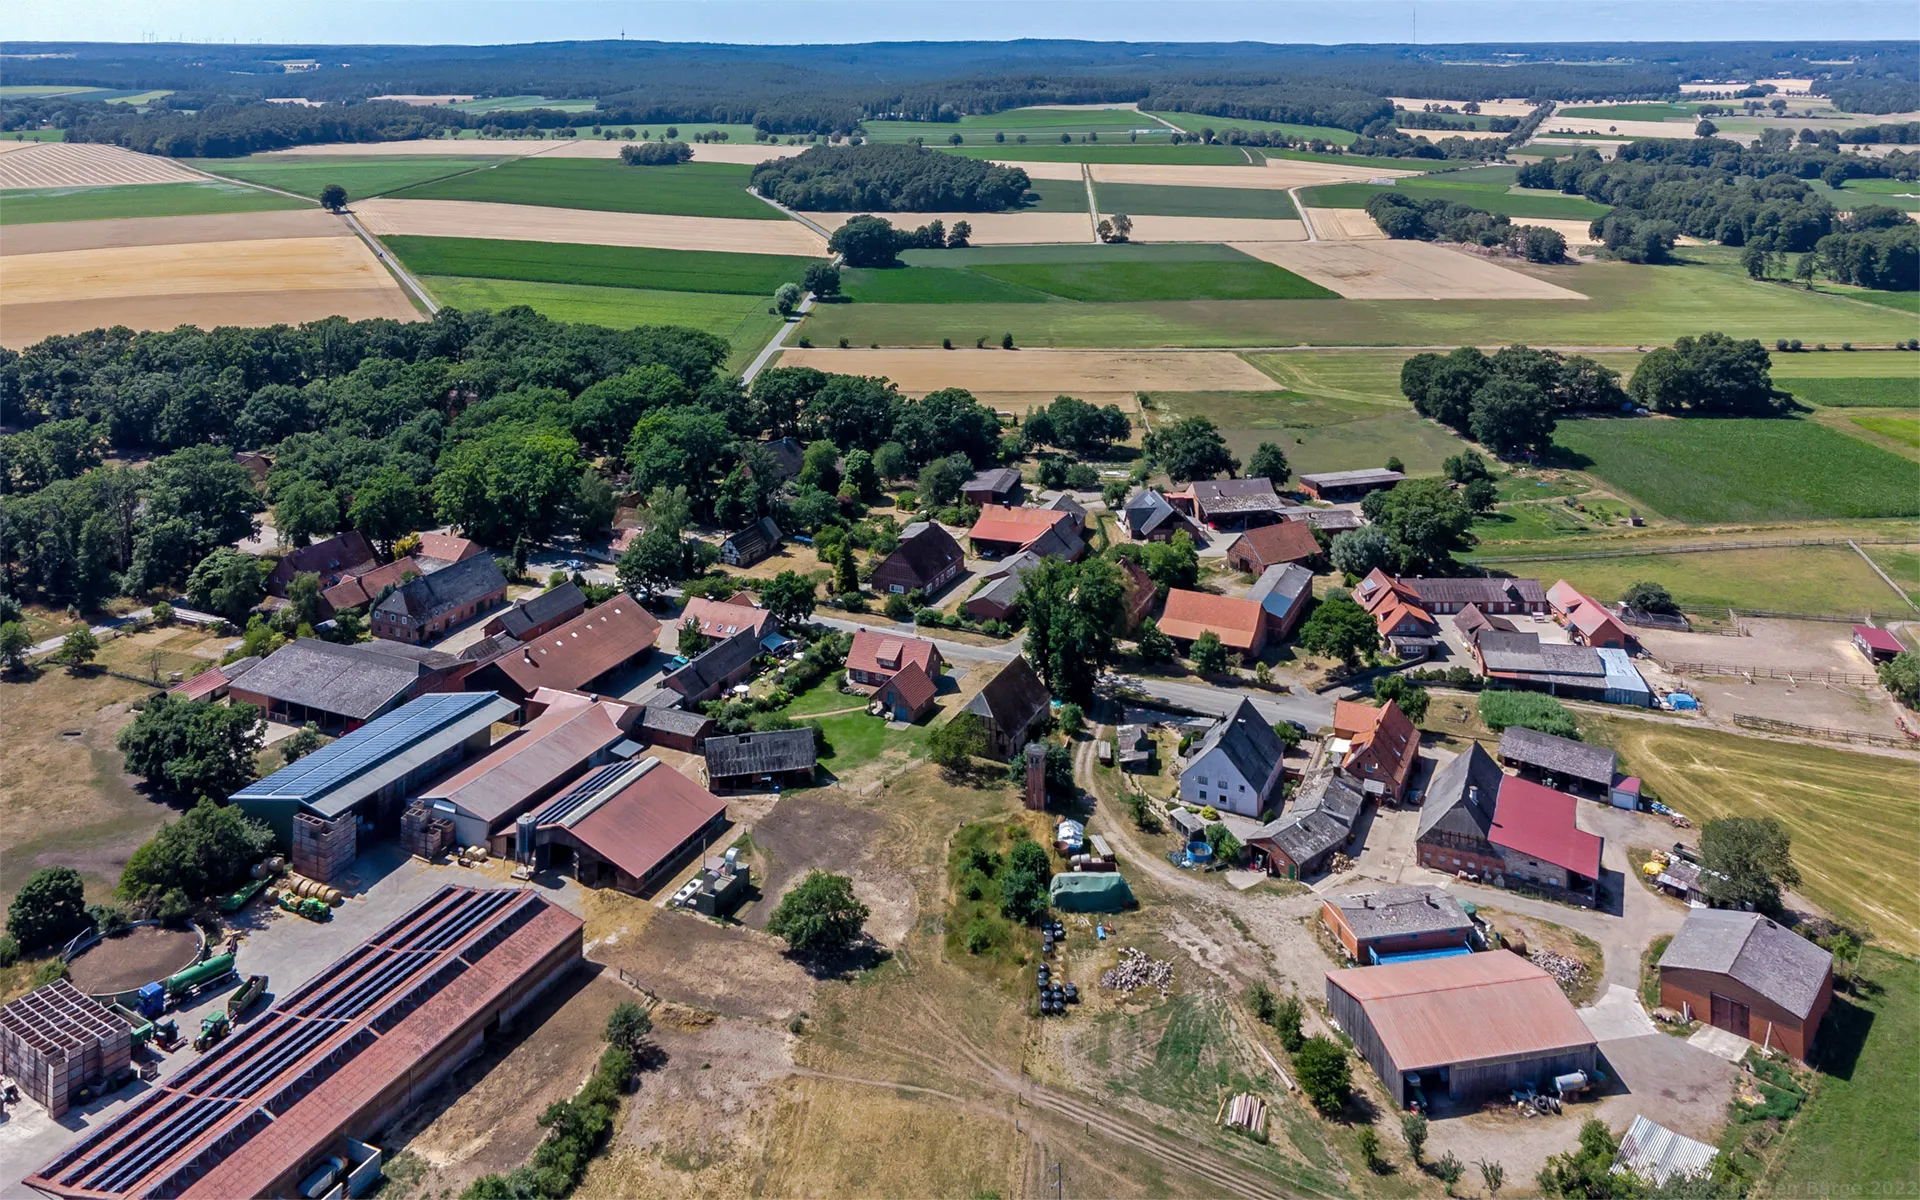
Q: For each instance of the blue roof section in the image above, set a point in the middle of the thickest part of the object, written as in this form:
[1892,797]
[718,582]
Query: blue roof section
[1417,955]
[1622,675]
[367,747]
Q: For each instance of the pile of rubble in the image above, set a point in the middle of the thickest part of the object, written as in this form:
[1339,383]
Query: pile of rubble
[1136,970]
[1565,971]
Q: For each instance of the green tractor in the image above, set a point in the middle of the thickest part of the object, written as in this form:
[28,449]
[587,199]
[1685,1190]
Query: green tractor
[213,1027]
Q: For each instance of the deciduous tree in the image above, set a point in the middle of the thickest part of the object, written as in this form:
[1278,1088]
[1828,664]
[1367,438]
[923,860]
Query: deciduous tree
[49,909]
[819,916]
[193,748]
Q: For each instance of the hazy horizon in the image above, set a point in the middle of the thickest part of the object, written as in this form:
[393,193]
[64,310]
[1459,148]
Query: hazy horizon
[1299,22]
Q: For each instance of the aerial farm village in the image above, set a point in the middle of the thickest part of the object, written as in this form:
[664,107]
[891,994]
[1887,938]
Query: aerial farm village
[622,620]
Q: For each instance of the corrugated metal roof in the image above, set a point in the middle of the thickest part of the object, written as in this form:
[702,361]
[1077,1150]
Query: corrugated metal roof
[530,762]
[1656,1153]
[1562,756]
[1539,821]
[1469,1008]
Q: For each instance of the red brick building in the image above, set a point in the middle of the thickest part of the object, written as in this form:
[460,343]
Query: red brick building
[1748,975]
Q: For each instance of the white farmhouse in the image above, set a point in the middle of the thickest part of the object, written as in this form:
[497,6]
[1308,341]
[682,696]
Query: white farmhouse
[1237,767]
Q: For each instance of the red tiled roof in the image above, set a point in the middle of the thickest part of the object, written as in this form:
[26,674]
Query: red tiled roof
[1187,615]
[205,684]
[338,556]
[723,619]
[886,653]
[1469,1008]
[643,823]
[1563,596]
[1879,639]
[1273,545]
[1000,523]
[583,649]
[1590,619]
[1539,821]
[914,686]
[1383,734]
[529,764]
[447,547]
[364,589]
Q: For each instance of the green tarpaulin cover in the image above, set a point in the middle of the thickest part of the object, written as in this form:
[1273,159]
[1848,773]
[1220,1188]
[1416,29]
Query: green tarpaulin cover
[1090,891]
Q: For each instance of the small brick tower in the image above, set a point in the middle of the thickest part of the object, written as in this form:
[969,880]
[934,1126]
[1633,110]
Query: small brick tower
[1036,796]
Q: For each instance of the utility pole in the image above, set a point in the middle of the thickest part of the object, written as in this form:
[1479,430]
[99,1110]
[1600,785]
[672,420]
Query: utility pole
[1059,1180]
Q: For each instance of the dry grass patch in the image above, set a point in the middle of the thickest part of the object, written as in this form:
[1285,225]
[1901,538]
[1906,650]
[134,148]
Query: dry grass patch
[1488,108]
[1075,372]
[1216,229]
[1343,224]
[1404,270]
[465,147]
[83,164]
[531,223]
[52,237]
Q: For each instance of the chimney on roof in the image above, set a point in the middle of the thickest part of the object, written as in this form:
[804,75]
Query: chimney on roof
[1431,902]
[1366,902]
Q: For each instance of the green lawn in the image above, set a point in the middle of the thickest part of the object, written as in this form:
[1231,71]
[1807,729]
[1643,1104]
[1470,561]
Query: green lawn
[1195,122]
[1373,377]
[609,266]
[362,177]
[1105,151]
[1853,193]
[1088,274]
[1628,305]
[1174,200]
[1856,1135]
[45,89]
[1108,282]
[1318,432]
[692,189]
[137,200]
[37,135]
[1753,469]
[742,320]
[1857,392]
[857,739]
[1900,427]
[1827,580]
[1494,198]
[1654,111]
[1902,563]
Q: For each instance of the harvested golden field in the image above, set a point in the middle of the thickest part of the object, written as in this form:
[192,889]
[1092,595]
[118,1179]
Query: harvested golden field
[1645,129]
[531,223]
[1278,173]
[1216,229]
[989,229]
[462,147]
[1047,170]
[422,101]
[1343,224]
[47,237]
[1574,230]
[10,147]
[1402,270]
[200,283]
[1489,108]
[1078,372]
[741,153]
[82,164]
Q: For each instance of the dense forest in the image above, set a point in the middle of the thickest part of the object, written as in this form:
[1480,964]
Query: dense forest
[506,424]
[883,178]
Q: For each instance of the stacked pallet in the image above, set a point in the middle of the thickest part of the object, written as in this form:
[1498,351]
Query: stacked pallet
[57,1042]
[323,849]
[424,832]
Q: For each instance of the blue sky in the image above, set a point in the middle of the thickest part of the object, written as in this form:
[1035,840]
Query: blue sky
[478,22]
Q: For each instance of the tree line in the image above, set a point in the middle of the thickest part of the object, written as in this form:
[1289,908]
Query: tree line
[889,178]
[1403,216]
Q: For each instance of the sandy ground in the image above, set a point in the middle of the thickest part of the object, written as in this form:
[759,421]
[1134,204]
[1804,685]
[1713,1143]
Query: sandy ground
[1079,372]
[1404,270]
[1343,224]
[57,164]
[1787,645]
[1648,129]
[745,153]
[55,236]
[1490,108]
[1216,229]
[989,229]
[531,223]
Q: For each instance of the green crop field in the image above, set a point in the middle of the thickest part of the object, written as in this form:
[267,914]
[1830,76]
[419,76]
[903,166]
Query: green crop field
[1808,579]
[363,178]
[1892,193]
[1107,282]
[1086,273]
[605,266]
[519,103]
[1628,305]
[692,189]
[932,285]
[1860,380]
[1751,469]
[1195,122]
[1176,200]
[1037,124]
[1075,252]
[24,90]
[37,135]
[1855,1136]
[1490,197]
[1901,428]
[1318,432]
[1106,151]
[742,320]
[1369,377]
[1654,111]
[137,200]
[1058,195]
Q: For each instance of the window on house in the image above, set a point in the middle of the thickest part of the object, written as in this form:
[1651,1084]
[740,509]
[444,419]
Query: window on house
[1202,781]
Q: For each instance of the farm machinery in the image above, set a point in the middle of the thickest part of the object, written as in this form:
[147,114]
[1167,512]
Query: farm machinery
[246,996]
[213,1027]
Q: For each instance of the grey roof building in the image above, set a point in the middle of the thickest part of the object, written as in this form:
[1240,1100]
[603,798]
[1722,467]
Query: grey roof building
[332,685]
[1283,591]
[1563,758]
[1525,658]
[1319,820]
[1065,503]
[779,755]
[992,485]
[1011,704]
[1377,925]
[716,667]
[1247,741]
[1767,957]
[1150,516]
[745,547]
[537,614]
[1460,797]
[426,597]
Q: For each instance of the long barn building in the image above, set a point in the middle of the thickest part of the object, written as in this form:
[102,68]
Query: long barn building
[337,1059]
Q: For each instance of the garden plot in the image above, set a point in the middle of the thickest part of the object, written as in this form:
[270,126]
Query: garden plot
[288,279]
[1073,372]
[989,229]
[1216,229]
[1403,270]
[61,164]
[1343,225]
[54,237]
[532,223]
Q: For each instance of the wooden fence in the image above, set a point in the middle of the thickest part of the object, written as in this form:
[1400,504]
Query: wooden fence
[1686,548]
[1808,675]
[1825,733]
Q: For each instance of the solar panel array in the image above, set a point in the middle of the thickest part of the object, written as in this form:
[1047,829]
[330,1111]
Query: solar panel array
[307,1037]
[590,785]
[366,747]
